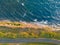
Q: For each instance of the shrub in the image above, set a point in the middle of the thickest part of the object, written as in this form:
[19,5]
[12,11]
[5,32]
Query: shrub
[10,35]
[2,34]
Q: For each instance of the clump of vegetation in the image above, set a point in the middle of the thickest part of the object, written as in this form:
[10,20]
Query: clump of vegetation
[2,35]
[8,32]
[27,33]
[10,35]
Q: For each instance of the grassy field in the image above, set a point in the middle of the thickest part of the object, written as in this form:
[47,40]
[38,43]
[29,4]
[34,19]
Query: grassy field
[28,43]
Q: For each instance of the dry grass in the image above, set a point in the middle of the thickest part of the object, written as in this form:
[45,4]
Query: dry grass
[24,25]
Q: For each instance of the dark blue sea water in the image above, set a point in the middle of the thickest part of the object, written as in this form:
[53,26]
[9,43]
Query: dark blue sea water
[30,10]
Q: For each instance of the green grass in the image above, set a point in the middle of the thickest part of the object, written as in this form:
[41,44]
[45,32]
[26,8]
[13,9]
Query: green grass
[34,43]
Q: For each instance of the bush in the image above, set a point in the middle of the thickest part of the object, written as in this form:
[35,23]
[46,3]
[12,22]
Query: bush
[2,34]
[10,35]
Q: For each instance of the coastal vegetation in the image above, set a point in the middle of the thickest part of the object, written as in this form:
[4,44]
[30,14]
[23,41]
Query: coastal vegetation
[6,32]
[27,32]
